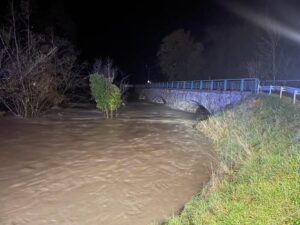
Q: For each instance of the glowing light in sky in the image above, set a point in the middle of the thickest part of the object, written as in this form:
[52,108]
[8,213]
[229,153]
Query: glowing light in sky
[263,21]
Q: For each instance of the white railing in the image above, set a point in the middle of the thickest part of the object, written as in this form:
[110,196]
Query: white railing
[290,90]
[283,83]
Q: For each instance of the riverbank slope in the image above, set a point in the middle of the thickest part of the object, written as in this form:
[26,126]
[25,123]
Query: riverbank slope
[258,182]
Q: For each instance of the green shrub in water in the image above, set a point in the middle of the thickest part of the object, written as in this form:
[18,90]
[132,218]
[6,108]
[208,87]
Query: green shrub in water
[106,95]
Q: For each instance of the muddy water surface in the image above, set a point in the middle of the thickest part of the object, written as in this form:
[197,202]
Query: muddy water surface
[75,168]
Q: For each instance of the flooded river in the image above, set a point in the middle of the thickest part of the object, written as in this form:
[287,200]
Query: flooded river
[73,167]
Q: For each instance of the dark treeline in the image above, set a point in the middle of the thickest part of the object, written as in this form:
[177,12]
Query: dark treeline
[41,68]
[227,45]
[227,52]
[261,41]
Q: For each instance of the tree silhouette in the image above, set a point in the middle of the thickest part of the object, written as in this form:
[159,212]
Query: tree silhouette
[180,56]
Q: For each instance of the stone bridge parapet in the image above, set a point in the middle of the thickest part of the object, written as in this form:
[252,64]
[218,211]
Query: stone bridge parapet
[191,100]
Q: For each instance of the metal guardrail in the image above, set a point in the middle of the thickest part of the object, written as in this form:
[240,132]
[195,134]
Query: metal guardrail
[283,83]
[247,84]
[291,90]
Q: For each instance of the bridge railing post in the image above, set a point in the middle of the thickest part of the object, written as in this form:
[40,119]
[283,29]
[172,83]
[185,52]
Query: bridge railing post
[211,85]
[192,84]
[270,90]
[183,84]
[257,84]
[242,84]
[282,89]
[295,96]
[225,85]
[201,85]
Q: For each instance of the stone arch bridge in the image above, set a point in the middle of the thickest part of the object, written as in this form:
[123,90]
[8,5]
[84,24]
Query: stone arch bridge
[212,95]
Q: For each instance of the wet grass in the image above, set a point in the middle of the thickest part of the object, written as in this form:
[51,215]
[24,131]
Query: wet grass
[258,180]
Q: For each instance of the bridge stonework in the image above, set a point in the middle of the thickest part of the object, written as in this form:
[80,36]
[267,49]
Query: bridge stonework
[191,100]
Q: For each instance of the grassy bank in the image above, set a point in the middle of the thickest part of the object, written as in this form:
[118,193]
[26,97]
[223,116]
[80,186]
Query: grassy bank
[258,182]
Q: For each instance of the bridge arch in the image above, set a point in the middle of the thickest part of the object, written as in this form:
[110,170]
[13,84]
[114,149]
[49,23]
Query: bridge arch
[202,102]
[202,113]
[198,108]
[159,100]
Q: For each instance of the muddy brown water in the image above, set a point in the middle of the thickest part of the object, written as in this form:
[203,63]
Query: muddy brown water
[73,167]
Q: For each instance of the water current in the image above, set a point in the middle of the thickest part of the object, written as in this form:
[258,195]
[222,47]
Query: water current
[73,167]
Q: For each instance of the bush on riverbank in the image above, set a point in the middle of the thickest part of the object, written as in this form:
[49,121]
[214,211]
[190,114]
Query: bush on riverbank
[258,143]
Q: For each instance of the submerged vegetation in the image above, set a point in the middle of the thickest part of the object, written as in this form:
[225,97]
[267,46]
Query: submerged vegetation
[258,181]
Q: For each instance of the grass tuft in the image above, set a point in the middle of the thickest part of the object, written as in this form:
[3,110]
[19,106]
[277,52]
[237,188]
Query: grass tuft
[258,180]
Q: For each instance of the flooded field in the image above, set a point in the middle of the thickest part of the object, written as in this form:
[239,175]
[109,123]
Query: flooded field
[73,167]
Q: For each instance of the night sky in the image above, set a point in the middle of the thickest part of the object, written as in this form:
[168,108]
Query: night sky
[130,32]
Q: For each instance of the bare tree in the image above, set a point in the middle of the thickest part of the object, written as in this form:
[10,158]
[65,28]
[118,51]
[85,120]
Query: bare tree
[123,86]
[36,70]
[254,68]
[269,43]
[68,70]
[107,68]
